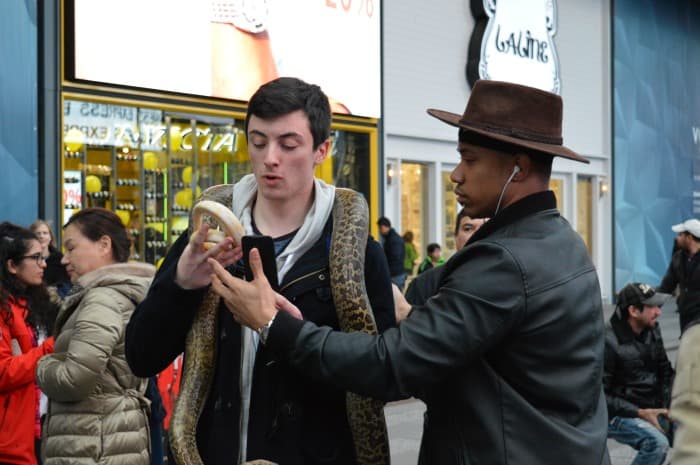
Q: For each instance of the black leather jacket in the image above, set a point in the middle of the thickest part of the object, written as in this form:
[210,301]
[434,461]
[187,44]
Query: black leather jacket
[508,355]
[293,420]
[685,275]
[423,286]
[637,373]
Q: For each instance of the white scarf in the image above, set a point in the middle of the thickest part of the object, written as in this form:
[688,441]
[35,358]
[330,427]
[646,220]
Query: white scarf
[244,194]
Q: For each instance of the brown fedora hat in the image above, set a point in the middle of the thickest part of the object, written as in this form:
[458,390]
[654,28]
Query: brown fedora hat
[513,113]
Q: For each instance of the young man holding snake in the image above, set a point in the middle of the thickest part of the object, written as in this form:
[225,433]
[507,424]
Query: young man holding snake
[255,406]
[508,354]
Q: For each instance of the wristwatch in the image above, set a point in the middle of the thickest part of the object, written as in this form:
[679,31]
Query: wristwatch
[264,331]
[247,15]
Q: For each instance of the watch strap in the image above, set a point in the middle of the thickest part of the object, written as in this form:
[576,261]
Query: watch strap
[264,331]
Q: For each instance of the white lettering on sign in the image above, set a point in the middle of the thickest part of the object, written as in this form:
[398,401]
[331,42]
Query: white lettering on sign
[122,126]
[518,45]
[696,135]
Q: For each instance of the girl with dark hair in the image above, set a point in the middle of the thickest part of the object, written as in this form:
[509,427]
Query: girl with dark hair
[98,411]
[55,275]
[25,314]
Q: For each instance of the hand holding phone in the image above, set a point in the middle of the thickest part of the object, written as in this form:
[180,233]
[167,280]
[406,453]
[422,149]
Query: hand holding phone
[266,248]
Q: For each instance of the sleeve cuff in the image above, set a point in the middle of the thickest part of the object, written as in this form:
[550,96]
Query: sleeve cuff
[284,332]
[186,298]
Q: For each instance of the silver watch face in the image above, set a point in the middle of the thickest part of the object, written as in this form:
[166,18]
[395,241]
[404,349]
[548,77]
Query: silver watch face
[252,16]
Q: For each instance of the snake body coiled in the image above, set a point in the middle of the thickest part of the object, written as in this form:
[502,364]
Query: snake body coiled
[365,416]
[347,270]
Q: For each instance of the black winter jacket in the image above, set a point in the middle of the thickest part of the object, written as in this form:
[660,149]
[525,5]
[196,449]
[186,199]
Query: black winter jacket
[395,251]
[687,278]
[637,373]
[423,286]
[294,420]
[508,355]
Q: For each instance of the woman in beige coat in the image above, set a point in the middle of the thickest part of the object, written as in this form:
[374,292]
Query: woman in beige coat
[97,411]
[685,401]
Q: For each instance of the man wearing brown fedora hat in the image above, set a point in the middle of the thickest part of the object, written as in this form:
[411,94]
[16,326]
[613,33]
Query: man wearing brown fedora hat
[508,354]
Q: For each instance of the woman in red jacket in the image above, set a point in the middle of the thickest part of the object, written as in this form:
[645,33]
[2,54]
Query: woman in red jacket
[25,313]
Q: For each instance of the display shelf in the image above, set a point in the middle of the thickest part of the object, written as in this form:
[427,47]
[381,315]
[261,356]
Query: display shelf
[149,171]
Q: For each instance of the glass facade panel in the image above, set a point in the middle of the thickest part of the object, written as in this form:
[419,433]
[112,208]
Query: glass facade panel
[149,166]
[414,184]
[584,211]
[557,186]
[449,215]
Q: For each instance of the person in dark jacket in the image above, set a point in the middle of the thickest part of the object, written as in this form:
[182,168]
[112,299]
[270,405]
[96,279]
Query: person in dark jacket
[257,408]
[684,272]
[423,286]
[638,374]
[508,355]
[395,251]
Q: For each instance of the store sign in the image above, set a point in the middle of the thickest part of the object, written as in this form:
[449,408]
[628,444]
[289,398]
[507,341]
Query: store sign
[72,192]
[187,46]
[124,126]
[518,44]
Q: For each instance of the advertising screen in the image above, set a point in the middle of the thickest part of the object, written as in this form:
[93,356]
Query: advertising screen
[226,49]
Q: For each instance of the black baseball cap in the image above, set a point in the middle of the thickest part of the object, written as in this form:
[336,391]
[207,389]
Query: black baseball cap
[639,294]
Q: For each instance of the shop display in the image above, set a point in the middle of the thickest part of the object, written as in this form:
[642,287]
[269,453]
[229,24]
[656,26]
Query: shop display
[150,167]
[146,167]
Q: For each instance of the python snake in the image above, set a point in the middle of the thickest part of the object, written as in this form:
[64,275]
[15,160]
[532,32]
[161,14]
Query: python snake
[365,415]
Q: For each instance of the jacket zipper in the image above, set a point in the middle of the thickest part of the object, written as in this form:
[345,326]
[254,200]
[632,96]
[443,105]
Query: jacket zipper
[296,280]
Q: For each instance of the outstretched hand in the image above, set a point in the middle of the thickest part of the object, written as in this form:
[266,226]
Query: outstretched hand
[193,268]
[252,303]
[401,305]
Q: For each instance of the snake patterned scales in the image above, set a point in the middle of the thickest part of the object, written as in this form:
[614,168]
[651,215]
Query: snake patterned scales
[365,415]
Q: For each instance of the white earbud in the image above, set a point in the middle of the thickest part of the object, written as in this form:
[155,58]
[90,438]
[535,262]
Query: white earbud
[516,170]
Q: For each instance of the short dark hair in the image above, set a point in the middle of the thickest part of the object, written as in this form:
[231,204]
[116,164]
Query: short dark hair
[541,162]
[95,222]
[285,95]
[432,247]
[694,238]
[384,221]
[461,215]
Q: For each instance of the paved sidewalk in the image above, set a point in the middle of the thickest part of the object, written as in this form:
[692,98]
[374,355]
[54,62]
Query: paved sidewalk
[405,418]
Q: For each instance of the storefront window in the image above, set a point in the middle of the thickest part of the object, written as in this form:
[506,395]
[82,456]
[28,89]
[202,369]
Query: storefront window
[449,215]
[556,185]
[145,165]
[414,184]
[348,164]
[584,210]
[149,166]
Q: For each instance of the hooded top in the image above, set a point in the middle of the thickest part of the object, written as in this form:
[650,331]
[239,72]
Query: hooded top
[97,408]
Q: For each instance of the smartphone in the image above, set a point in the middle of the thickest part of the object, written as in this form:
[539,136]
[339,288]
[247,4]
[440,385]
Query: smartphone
[266,248]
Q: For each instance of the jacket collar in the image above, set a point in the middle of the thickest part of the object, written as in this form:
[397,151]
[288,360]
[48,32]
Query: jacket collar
[527,206]
[623,330]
